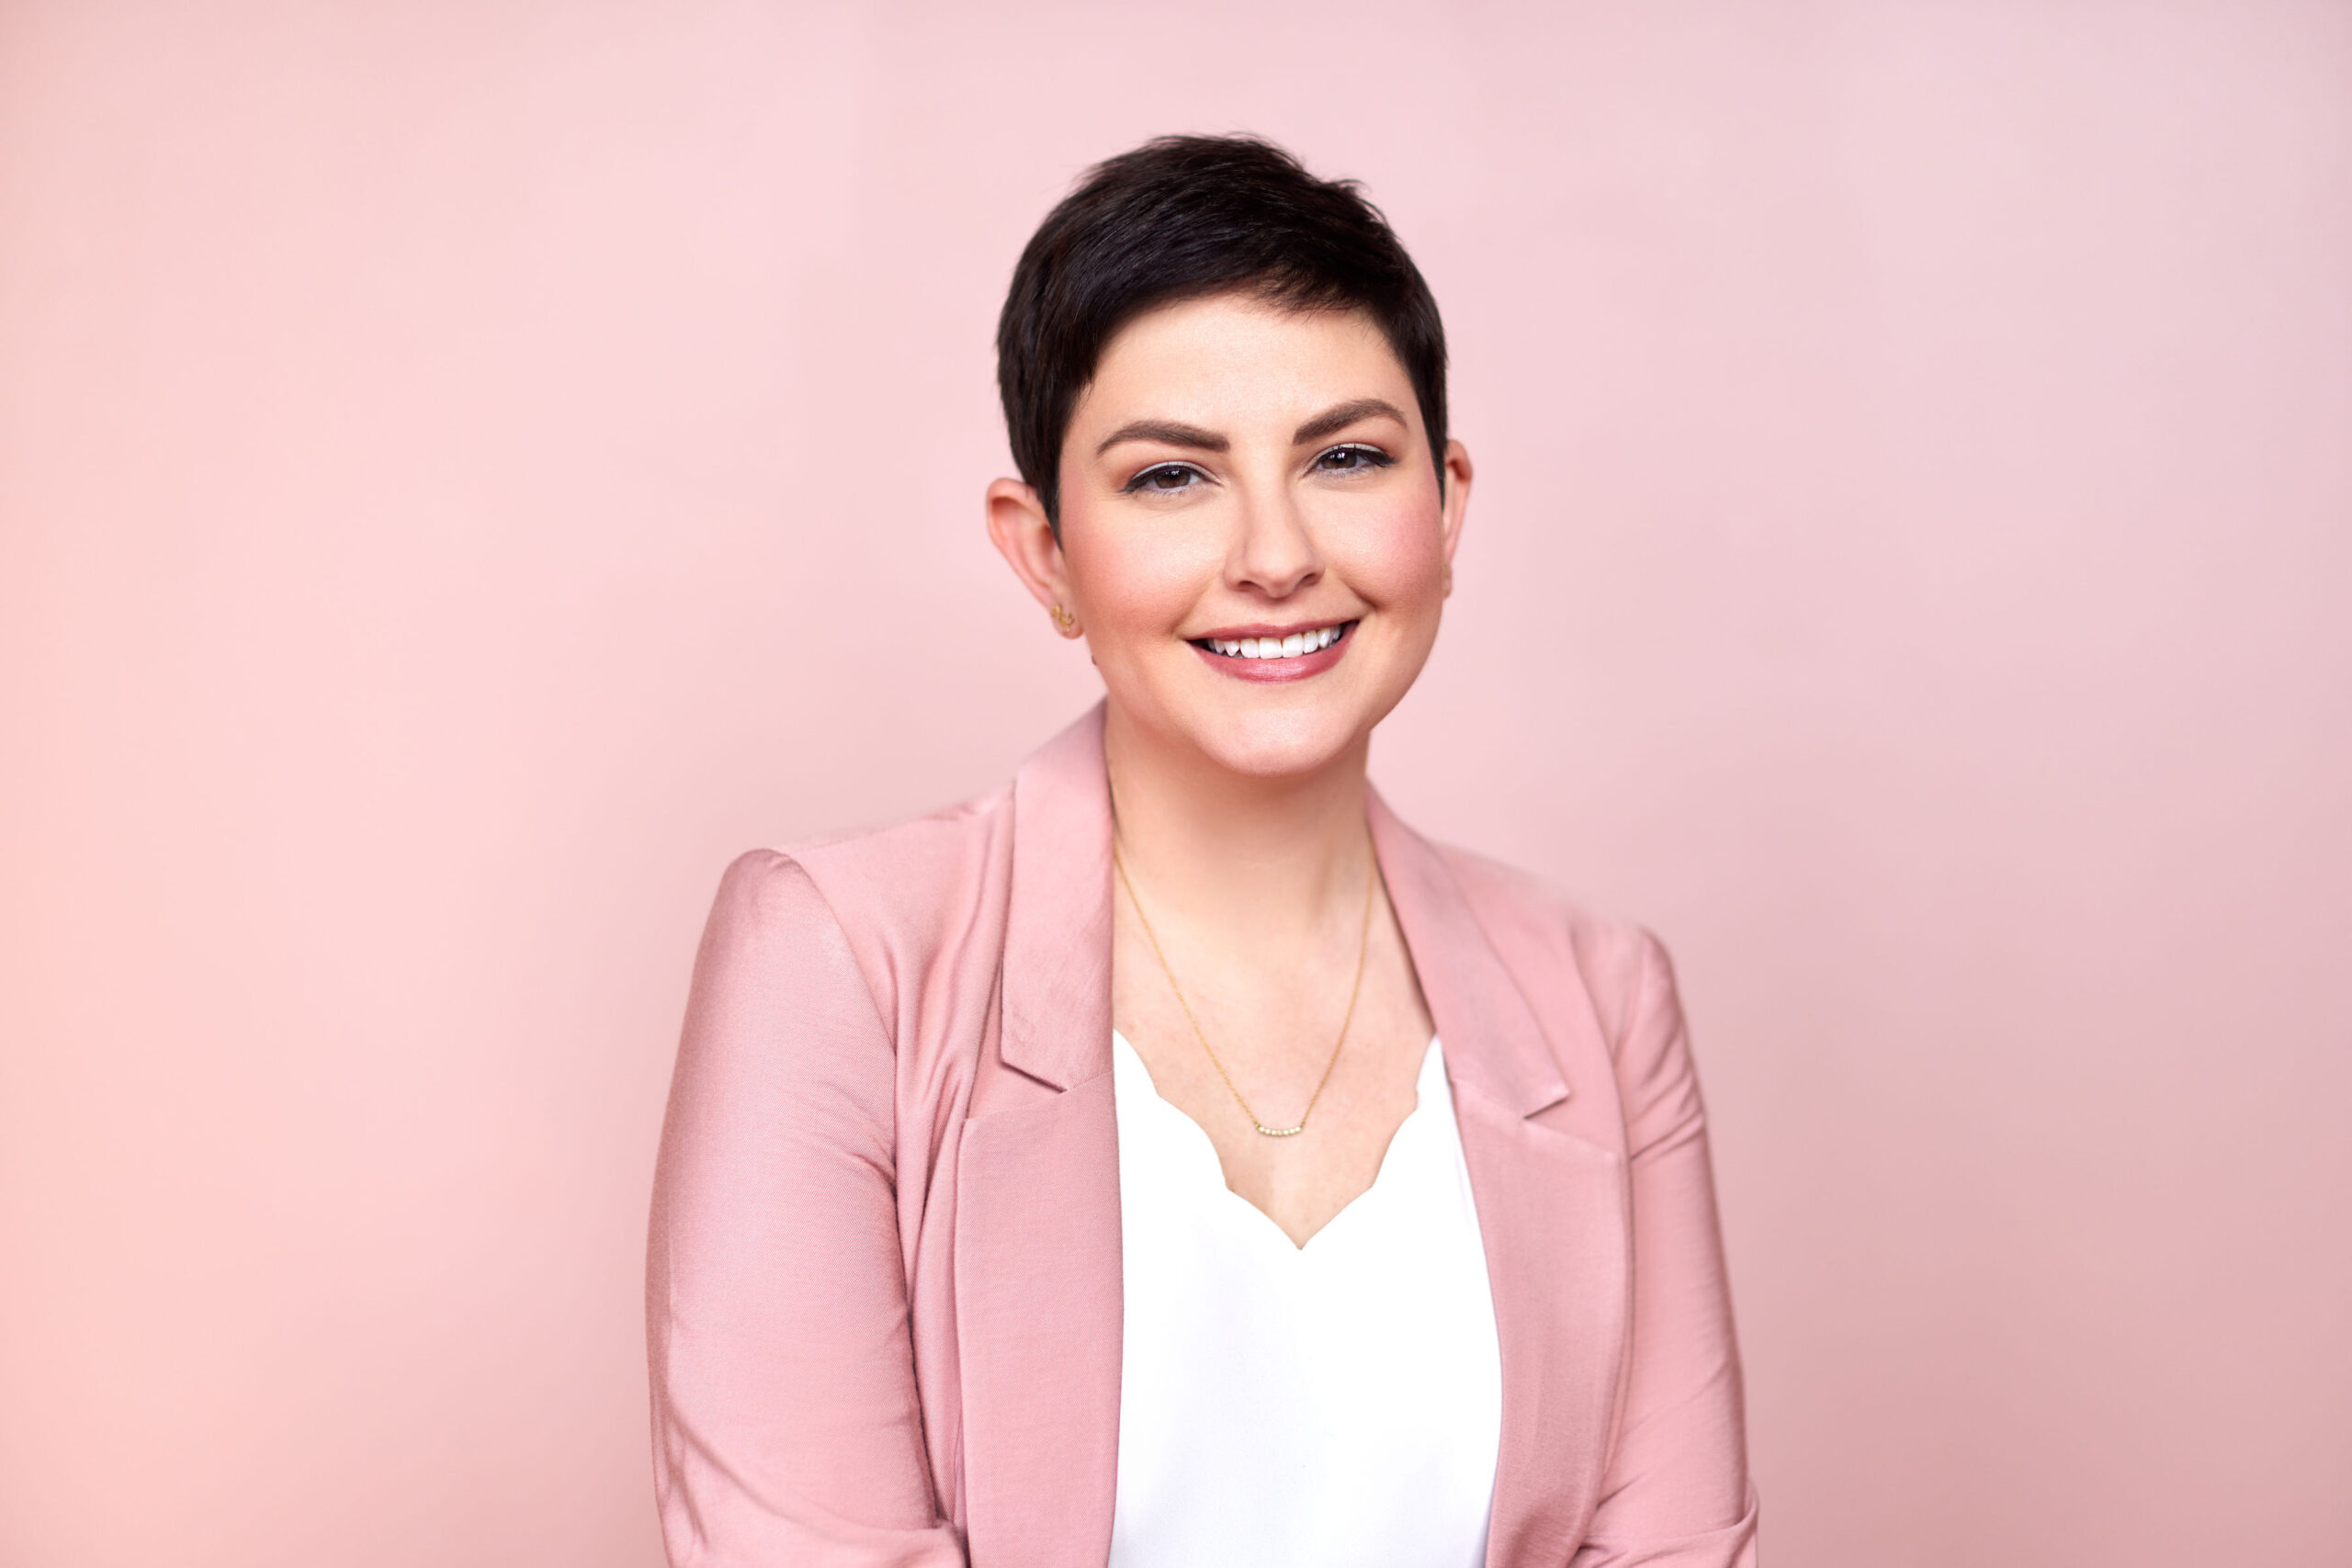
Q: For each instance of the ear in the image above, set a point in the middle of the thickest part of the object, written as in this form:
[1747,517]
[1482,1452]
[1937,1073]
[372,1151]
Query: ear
[1457,501]
[1023,535]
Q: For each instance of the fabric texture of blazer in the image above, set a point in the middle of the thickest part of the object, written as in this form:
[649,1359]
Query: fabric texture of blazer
[883,1293]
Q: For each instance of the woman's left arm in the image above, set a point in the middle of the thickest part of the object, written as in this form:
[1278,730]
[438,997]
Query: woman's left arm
[1677,1495]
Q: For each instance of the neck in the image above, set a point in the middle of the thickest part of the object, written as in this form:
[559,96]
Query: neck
[1255,859]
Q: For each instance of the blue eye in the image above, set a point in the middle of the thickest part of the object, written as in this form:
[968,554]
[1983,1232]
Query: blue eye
[1162,478]
[1351,459]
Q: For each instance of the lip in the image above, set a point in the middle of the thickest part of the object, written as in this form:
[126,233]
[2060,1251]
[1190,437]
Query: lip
[1304,667]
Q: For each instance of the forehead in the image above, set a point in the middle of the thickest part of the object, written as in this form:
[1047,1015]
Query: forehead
[1236,360]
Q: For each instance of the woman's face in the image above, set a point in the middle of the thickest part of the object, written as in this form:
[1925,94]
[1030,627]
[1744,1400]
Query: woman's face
[1251,532]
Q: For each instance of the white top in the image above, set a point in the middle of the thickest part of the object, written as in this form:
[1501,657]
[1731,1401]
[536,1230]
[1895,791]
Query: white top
[1338,1404]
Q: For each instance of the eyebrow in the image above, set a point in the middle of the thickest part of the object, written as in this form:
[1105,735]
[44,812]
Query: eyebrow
[1172,434]
[1167,431]
[1331,421]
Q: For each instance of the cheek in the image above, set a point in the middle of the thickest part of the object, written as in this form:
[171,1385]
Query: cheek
[1394,559]
[1134,580]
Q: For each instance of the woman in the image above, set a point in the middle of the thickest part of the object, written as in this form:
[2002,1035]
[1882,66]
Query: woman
[1171,1158]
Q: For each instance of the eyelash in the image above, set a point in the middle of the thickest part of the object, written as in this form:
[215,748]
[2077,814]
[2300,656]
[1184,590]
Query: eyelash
[1371,458]
[1142,480]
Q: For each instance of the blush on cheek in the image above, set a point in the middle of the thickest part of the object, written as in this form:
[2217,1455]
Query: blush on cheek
[1397,548]
[1404,580]
[1135,588]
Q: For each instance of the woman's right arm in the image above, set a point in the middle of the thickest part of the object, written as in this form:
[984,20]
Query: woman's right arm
[785,1426]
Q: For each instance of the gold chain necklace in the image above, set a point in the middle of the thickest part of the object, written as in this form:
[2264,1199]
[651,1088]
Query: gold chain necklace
[1363,946]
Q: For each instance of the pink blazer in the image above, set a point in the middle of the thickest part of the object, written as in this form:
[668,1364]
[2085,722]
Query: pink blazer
[883,1296]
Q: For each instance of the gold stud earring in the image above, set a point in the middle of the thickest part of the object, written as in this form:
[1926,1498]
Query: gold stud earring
[1064,622]
[1446,577]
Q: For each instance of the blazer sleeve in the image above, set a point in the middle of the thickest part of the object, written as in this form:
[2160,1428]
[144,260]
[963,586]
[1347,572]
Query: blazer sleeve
[786,1425]
[1677,1493]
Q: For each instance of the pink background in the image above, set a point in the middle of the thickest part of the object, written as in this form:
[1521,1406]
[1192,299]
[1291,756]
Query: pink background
[467,470]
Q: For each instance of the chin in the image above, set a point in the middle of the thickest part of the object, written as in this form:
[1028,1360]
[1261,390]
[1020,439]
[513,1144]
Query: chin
[1279,745]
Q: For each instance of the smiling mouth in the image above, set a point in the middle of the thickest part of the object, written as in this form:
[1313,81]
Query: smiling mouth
[1294,645]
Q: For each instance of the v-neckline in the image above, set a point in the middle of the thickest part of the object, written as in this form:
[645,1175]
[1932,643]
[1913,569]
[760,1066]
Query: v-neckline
[1126,1058]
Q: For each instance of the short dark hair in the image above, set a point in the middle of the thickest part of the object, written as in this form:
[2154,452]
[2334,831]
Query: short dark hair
[1182,217]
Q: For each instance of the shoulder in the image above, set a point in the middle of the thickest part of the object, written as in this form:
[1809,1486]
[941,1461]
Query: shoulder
[1546,938]
[896,874]
[882,901]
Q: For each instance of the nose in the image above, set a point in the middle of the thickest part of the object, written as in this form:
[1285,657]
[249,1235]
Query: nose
[1273,551]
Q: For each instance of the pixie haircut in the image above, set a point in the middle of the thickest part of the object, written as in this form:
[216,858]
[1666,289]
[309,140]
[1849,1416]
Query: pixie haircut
[1182,217]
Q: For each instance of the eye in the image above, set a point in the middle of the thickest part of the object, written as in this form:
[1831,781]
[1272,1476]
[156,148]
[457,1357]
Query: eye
[1164,478]
[1352,459]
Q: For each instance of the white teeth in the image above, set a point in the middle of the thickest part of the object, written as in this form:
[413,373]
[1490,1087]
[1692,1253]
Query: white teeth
[1291,646]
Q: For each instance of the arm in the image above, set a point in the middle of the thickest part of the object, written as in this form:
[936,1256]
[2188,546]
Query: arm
[1677,1492]
[785,1426]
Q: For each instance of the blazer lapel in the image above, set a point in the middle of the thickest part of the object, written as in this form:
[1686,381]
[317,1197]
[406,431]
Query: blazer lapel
[1038,1302]
[1551,1211]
